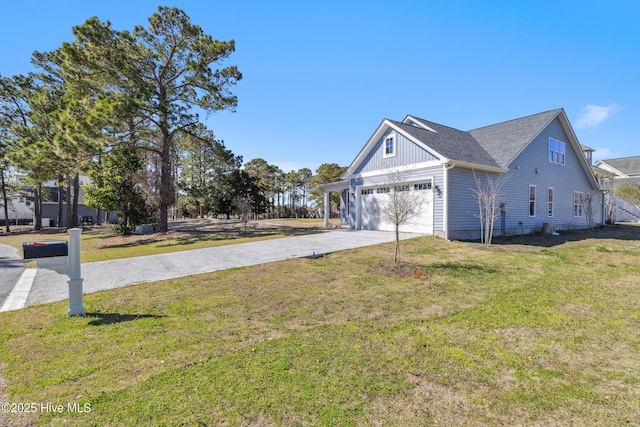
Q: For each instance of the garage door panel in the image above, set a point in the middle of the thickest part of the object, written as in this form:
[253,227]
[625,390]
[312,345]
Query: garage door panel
[372,218]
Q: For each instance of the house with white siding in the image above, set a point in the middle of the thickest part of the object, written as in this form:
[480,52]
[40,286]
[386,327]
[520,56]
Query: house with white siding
[547,180]
[622,170]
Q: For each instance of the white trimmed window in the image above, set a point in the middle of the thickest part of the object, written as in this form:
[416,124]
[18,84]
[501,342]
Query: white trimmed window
[550,202]
[557,151]
[578,203]
[532,200]
[390,145]
[367,191]
[382,190]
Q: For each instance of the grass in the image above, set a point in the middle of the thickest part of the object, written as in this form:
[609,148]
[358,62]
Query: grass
[100,244]
[517,334]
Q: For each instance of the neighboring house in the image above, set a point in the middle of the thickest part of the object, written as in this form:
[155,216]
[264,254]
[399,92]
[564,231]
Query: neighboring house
[21,205]
[50,204]
[19,211]
[623,170]
[547,177]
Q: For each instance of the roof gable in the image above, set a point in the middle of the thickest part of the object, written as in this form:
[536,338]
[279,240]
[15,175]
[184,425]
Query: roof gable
[629,166]
[491,148]
[453,144]
[504,141]
[443,142]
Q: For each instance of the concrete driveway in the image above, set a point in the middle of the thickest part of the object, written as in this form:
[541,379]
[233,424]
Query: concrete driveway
[49,286]
[11,268]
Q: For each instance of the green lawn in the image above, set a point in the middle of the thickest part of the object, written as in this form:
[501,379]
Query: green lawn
[528,332]
[101,245]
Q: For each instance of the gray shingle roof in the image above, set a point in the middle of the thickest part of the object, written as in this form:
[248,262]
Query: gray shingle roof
[626,165]
[452,143]
[503,141]
[493,146]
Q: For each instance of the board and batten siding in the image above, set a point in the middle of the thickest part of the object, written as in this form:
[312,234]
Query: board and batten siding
[407,152]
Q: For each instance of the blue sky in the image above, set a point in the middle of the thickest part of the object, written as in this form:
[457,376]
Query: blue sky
[320,76]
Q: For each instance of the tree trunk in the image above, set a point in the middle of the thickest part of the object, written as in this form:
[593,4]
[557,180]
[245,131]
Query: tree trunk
[166,181]
[37,208]
[125,218]
[60,202]
[68,202]
[5,201]
[76,195]
[395,253]
[98,216]
[166,191]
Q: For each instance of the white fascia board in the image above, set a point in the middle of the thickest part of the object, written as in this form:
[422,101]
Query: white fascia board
[335,186]
[419,143]
[573,140]
[386,124]
[418,122]
[606,166]
[577,148]
[407,168]
[606,171]
[365,149]
[475,166]
[533,139]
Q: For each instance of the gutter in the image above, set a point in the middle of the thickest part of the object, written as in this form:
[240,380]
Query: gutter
[445,209]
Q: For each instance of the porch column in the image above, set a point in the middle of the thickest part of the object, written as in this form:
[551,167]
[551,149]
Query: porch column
[358,208]
[327,208]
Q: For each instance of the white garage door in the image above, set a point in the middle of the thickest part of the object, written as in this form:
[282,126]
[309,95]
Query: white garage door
[374,199]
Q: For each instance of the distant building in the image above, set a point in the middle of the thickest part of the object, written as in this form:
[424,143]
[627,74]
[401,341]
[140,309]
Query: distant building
[623,170]
[21,203]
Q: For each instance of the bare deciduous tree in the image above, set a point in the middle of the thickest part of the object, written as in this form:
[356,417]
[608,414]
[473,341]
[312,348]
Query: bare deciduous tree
[589,209]
[402,204]
[607,184]
[487,194]
[243,208]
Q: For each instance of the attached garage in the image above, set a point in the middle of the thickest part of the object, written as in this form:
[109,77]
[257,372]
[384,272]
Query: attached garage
[374,200]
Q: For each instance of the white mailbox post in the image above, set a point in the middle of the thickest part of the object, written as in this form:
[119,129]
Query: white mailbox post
[57,257]
[76,307]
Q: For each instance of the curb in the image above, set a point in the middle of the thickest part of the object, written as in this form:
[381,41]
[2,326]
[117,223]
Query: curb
[17,299]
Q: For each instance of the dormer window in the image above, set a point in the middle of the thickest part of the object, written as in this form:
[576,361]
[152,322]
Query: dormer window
[390,145]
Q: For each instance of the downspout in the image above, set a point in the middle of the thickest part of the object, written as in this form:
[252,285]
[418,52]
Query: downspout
[603,207]
[358,208]
[445,198]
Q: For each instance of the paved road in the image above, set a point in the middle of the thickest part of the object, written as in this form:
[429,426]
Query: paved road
[11,268]
[50,286]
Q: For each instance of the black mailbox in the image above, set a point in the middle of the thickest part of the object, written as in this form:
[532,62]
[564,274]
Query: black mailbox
[45,249]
